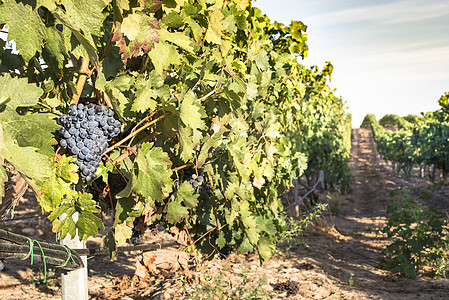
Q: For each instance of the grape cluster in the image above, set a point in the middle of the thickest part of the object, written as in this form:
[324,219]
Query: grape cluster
[86,130]
[198,182]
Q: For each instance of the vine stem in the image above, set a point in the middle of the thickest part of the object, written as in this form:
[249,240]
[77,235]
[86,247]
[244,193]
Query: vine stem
[183,167]
[108,46]
[84,72]
[211,93]
[107,100]
[133,134]
[141,122]
[133,149]
[50,108]
[121,174]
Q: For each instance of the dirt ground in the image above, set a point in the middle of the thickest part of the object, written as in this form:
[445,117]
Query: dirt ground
[338,258]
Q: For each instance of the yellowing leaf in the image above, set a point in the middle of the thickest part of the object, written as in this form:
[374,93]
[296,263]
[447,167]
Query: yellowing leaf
[122,233]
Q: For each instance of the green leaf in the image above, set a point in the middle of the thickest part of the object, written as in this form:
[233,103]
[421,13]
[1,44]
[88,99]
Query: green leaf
[185,200]
[245,246]
[186,195]
[88,15]
[67,170]
[175,212]
[220,241]
[173,20]
[261,60]
[147,96]
[177,38]
[214,31]
[163,55]
[34,167]
[88,225]
[88,45]
[55,46]
[266,225]
[25,27]
[67,225]
[110,243]
[265,248]
[122,5]
[123,209]
[152,179]
[250,224]
[190,113]
[212,142]
[54,191]
[35,130]
[18,92]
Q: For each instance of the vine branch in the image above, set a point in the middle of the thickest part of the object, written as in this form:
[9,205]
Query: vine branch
[83,74]
[133,134]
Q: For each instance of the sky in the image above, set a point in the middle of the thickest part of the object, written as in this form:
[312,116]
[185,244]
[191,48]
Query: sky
[389,57]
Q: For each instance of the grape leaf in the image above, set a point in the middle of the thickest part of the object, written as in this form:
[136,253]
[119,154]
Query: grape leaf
[190,113]
[88,225]
[123,208]
[147,96]
[152,175]
[212,142]
[265,248]
[110,243]
[141,32]
[245,245]
[88,15]
[122,233]
[122,5]
[173,20]
[163,55]
[55,46]
[34,167]
[214,31]
[221,241]
[25,27]
[177,38]
[54,191]
[151,6]
[67,225]
[35,130]
[184,200]
[18,92]
[88,48]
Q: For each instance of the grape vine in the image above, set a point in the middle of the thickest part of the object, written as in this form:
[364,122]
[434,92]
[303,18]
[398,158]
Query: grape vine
[413,141]
[213,88]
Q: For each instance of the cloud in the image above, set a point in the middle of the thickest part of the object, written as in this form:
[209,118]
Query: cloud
[397,12]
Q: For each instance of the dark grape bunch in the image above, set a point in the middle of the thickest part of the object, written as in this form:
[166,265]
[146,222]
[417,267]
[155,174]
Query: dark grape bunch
[198,182]
[85,131]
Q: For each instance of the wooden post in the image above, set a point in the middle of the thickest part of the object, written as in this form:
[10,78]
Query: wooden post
[74,283]
[322,179]
[295,190]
